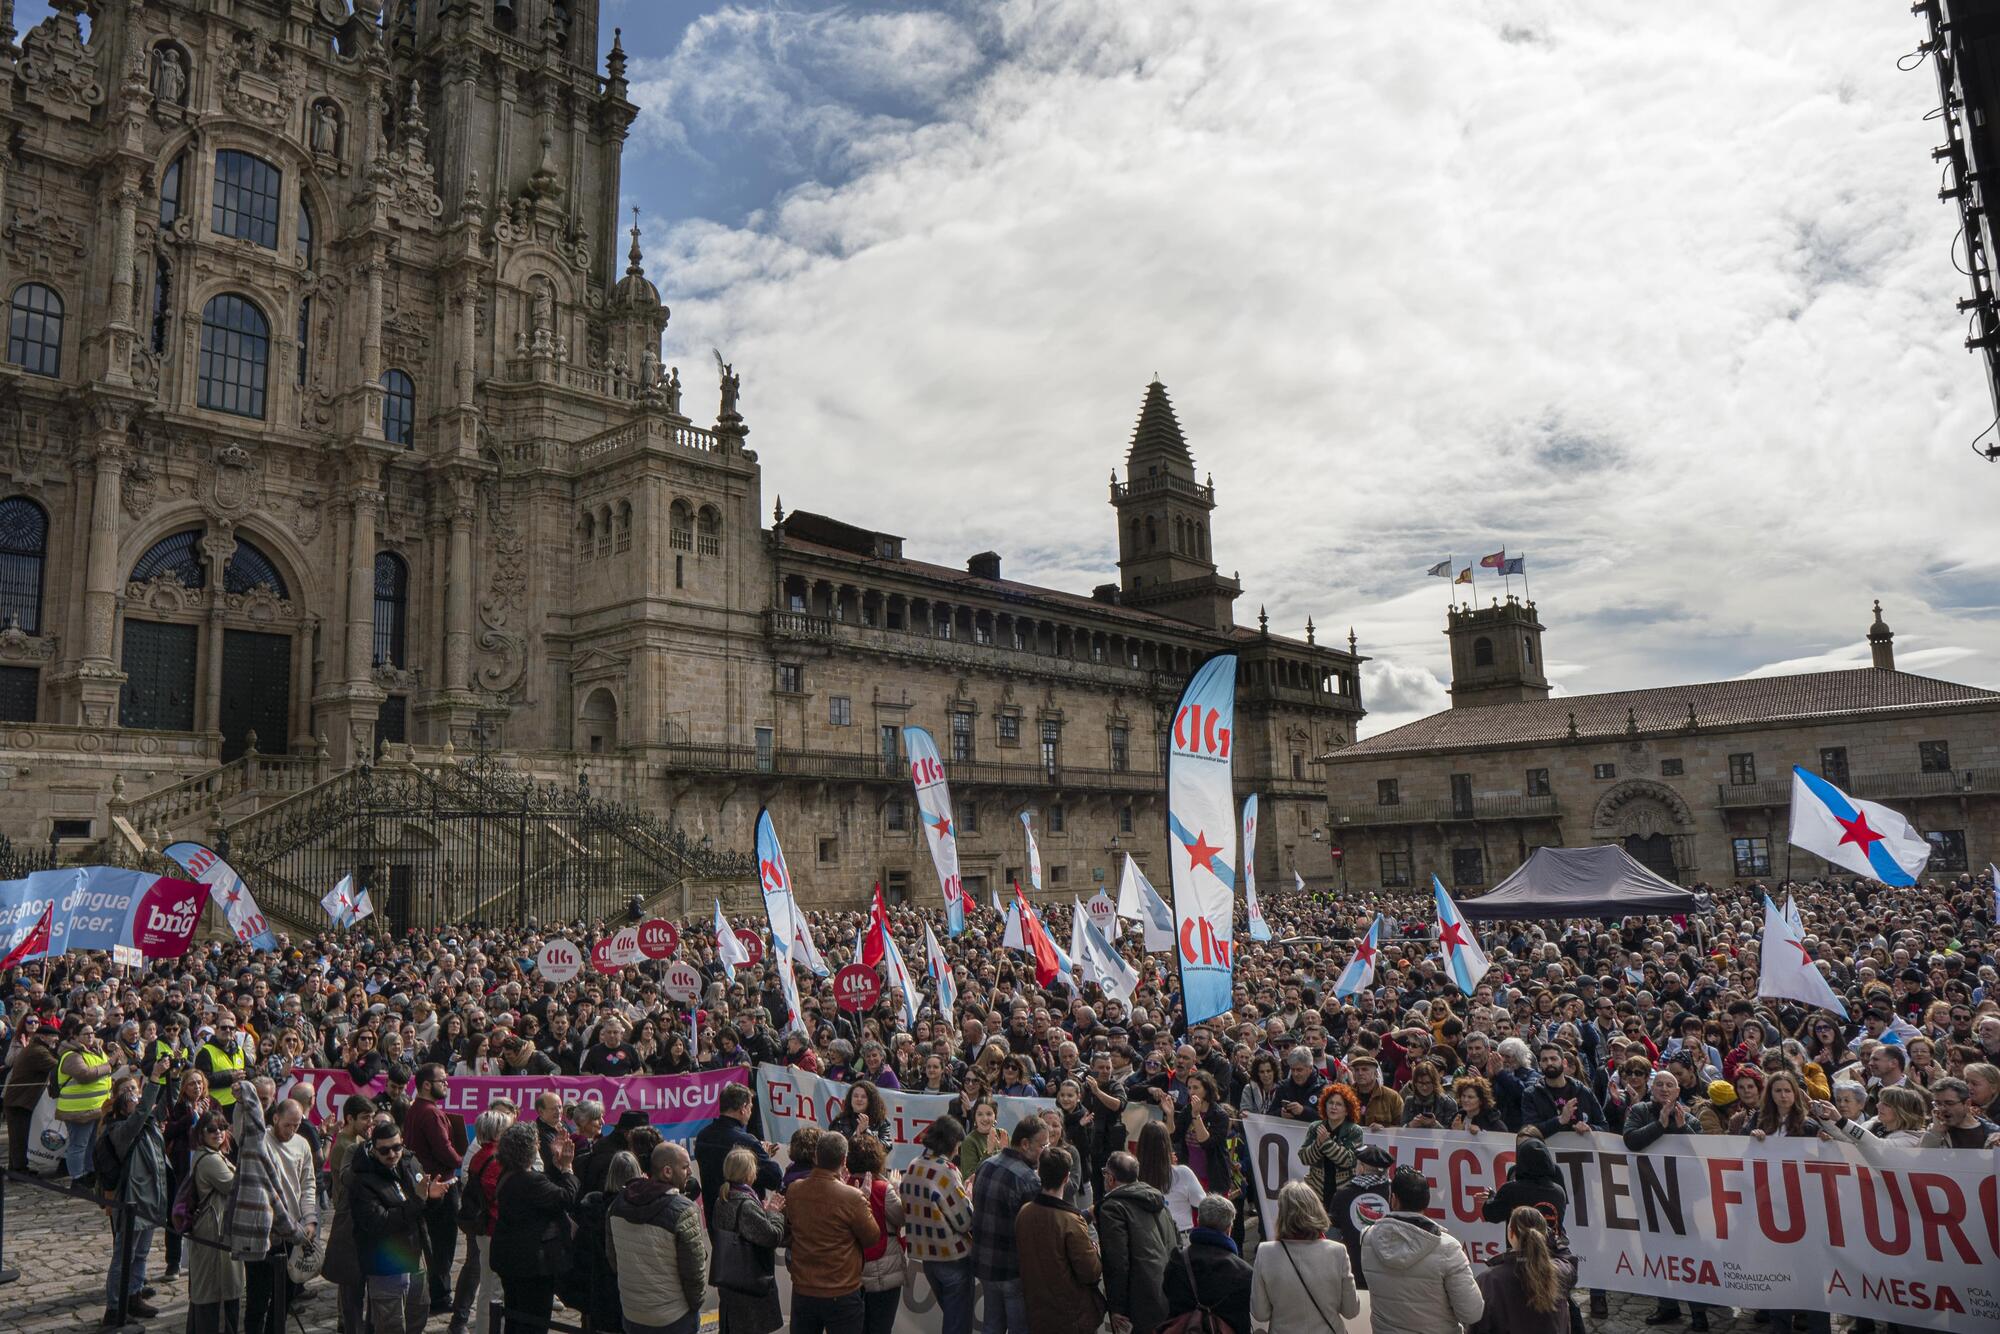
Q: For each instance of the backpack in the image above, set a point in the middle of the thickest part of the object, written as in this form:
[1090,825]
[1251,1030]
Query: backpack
[106,1163]
[182,1215]
[1200,1320]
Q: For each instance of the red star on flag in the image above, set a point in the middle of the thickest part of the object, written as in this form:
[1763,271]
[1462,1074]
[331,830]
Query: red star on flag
[1201,852]
[1366,952]
[1451,935]
[1804,953]
[1857,832]
[232,898]
[943,826]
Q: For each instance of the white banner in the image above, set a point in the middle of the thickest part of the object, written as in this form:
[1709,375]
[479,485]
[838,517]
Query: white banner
[791,1098]
[1899,1234]
[940,834]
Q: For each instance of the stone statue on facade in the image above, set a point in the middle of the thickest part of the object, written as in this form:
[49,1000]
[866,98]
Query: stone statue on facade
[326,128]
[169,76]
[732,384]
[673,388]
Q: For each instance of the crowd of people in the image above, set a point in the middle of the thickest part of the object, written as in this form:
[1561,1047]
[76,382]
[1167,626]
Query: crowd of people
[183,1087]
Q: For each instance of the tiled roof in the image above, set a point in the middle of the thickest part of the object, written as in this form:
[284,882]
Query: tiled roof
[1158,434]
[1757,699]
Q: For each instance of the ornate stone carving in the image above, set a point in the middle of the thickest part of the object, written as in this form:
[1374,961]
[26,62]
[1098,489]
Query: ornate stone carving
[254,74]
[17,645]
[1644,808]
[169,77]
[325,128]
[44,242]
[405,170]
[506,650]
[165,595]
[231,482]
[262,606]
[308,517]
[60,76]
[141,485]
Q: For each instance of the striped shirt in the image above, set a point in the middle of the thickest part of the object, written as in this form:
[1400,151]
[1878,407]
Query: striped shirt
[937,1221]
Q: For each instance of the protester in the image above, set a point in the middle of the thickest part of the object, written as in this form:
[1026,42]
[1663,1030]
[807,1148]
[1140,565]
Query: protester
[1138,1239]
[1006,1181]
[531,1228]
[749,1234]
[1059,1263]
[828,1227]
[1302,1282]
[1526,1289]
[437,1143]
[658,1247]
[130,1163]
[937,1212]
[727,1132]
[82,1086]
[1213,1276]
[1419,1281]
[387,1200]
[31,1062]
[215,1277]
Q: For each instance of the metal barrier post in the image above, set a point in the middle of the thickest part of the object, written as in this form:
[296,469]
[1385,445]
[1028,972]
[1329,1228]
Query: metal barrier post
[493,1313]
[123,1216]
[281,1290]
[6,1275]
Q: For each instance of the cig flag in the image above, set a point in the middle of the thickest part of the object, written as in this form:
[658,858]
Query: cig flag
[1201,817]
[1785,968]
[940,835]
[791,934]
[1463,957]
[1260,931]
[1359,974]
[226,887]
[1864,836]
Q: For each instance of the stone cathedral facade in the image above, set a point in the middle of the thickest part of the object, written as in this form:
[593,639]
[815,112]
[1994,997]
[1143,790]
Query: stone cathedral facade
[334,430]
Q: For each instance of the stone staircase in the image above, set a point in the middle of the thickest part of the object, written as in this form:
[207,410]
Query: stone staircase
[435,839]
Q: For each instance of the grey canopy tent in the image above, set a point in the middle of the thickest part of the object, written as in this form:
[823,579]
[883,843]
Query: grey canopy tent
[1579,882]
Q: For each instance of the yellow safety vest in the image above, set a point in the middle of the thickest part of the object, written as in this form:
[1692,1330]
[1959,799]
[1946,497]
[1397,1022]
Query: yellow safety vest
[166,1056]
[79,1098]
[221,1060]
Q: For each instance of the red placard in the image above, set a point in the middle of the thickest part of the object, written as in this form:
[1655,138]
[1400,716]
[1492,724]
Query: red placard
[753,945]
[856,987]
[604,955]
[658,938]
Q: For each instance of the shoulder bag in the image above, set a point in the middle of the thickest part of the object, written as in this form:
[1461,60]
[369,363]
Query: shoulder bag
[1317,1308]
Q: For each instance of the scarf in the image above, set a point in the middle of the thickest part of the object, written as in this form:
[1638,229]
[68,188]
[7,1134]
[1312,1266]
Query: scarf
[1208,1236]
[257,1215]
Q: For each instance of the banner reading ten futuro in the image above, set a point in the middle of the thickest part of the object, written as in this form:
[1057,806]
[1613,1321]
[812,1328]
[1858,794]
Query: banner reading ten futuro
[1897,1233]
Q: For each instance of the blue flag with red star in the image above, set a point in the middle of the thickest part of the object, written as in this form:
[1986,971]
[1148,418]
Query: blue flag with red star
[1456,943]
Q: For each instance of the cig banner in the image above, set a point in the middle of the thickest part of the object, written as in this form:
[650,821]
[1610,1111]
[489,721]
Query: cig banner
[792,1098]
[1896,1233]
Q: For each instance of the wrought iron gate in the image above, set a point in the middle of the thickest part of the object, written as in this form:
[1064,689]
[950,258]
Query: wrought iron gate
[473,842]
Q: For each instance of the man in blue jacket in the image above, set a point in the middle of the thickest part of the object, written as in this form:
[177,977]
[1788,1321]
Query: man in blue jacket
[727,1131]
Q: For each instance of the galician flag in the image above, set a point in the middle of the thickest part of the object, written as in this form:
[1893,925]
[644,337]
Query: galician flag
[1202,850]
[940,834]
[1786,968]
[993,893]
[729,951]
[1098,960]
[1298,881]
[1864,836]
[1359,974]
[1260,930]
[339,902]
[941,974]
[246,920]
[900,980]
[1456,942]
[791,934]
[1138,901]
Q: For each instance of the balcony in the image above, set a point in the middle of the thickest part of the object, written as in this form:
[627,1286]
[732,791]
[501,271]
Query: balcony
[1449,812]
[1162,484]
[784,762]
[1880,787]
[959,654]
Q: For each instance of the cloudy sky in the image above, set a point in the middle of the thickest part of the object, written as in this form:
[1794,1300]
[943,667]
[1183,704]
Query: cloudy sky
[1658,295]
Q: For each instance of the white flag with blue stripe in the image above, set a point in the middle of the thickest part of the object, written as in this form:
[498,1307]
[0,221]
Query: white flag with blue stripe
[1866,837]
[1463,957]
[1359,974]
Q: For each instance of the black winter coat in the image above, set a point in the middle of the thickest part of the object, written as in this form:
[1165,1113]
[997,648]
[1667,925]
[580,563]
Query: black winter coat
[529,1204]
[385,1210]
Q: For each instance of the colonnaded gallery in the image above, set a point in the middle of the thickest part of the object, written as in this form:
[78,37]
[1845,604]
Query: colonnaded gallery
[351,518]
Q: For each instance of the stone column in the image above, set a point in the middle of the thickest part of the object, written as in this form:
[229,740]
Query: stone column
[371,365]
[123,246]
[459,576]
[216,547]
[101,574]
[363,504]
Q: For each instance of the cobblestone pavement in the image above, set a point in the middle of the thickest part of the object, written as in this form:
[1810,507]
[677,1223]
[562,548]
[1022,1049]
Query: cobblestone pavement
[62,1247]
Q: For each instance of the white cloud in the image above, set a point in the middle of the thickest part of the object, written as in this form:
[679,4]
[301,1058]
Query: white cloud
[1659,295]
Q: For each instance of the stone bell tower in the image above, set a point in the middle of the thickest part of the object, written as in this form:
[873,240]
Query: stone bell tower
[1496,654]
[1164,561]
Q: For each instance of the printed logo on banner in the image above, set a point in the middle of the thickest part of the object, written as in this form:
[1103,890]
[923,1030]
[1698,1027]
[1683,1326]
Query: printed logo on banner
[658,938]
[1367,1208]
[856,987]
[753,945]
[164,921]
[559,961]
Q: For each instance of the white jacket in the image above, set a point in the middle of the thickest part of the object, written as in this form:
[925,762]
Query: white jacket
[1419,1281]
[1280,1302]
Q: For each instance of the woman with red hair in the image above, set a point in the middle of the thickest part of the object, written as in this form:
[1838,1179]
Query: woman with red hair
[1330,1148]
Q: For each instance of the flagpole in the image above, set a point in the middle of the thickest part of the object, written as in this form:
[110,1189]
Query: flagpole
[1526,591]
[1450,587]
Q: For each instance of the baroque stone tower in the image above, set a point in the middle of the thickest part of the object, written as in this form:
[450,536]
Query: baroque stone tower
[1496,654]
[1164,563]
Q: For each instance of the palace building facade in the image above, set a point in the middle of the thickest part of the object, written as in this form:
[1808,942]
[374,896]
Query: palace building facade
[1694,780]
[338,438]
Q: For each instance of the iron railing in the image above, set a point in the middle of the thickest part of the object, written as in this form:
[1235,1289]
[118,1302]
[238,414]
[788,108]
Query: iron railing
[871,766]
[1778,791]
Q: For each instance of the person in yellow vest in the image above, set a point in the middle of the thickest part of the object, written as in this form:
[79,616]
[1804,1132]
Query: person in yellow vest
[221,1059]
[83,1086]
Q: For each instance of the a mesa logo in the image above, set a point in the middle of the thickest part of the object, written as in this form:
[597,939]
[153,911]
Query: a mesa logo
[1367,1208]
[164,920]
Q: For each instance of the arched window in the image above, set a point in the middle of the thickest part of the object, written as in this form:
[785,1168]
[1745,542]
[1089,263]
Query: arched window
[305,338]
[249,568]
[176,556]
[586,530]
[1528,649]
[306,232]
[24,540]
[1482,652]
[235,353]
[710,522]
[34,336]
[392,605]
[399,409]
[1152,533]
[680,526]
[624,525]
[163,301]
[170,192]
[604,531]
[246,198]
